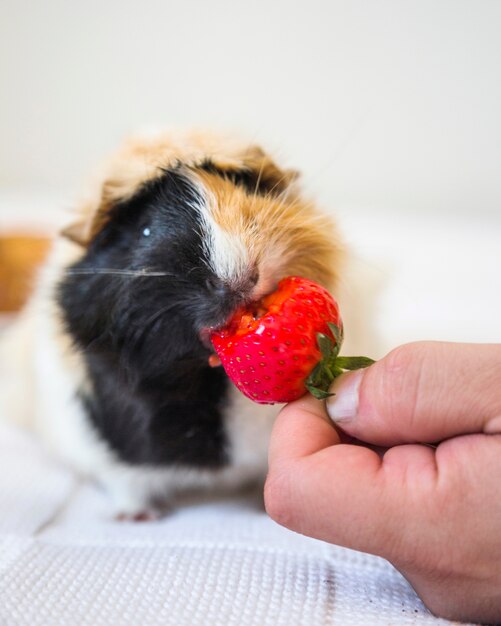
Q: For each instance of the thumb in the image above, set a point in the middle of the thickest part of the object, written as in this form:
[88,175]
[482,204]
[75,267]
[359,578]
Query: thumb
[425,391]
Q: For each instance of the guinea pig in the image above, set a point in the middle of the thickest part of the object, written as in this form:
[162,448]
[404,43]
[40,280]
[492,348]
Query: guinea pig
[109,362]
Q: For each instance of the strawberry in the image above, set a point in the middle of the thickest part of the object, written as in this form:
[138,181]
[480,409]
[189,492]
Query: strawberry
[276,349]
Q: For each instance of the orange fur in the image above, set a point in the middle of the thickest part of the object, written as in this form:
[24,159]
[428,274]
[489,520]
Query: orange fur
[285,235]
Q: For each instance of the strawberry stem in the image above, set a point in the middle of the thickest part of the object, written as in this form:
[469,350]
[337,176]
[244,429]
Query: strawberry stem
[353,362]
[331,365]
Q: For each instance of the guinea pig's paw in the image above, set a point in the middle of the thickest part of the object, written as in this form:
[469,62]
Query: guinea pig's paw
[143,512]
[147,515]
[132,499]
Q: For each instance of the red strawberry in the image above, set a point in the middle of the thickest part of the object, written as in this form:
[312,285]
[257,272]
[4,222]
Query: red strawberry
[277,349]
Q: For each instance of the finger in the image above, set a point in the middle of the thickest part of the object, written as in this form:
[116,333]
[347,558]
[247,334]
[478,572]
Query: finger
[426,391]
[301,428]
[299,493]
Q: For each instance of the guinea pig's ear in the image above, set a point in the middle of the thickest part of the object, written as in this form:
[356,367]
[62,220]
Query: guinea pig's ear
[76,232]
[254,167]
[96,212]
[80,231]
[271,177]
[93,216]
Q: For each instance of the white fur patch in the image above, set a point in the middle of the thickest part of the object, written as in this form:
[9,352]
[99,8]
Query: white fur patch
[225,253]
[248,426]
[229,258]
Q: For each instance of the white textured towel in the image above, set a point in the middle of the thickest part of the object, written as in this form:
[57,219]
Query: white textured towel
[64,562]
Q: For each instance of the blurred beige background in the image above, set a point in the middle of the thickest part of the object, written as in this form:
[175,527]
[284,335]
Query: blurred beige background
[382,103]
[391,108]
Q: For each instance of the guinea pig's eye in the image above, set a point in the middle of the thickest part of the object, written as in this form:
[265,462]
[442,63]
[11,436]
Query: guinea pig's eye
[146,232]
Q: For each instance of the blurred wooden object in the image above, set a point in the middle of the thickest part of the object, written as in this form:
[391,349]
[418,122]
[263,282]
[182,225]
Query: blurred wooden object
[20,257]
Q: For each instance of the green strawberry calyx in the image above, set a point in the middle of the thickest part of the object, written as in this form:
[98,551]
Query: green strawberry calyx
[331,365]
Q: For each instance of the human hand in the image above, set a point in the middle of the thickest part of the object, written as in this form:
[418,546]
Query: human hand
[434,512]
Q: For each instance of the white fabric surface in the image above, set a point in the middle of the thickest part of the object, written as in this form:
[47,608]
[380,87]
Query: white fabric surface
[223,562]
[63,561]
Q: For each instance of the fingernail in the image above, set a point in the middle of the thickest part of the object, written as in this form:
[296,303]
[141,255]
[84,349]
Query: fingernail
[343,406]
[493,426]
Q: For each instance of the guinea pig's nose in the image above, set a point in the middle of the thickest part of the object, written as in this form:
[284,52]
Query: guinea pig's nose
[254,278]
[232,293]
[218,288]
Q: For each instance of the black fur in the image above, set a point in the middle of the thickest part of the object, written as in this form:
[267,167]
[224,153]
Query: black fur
[154,398]
[254,182]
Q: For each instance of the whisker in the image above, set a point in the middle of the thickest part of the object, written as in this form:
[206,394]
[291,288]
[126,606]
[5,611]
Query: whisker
[112,271]
[258,182]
